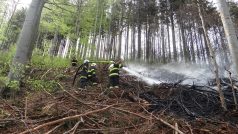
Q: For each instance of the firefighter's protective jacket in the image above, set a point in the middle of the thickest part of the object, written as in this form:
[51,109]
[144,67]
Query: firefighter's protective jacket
[92,72]
[114,71]
[84,72]
[74,62]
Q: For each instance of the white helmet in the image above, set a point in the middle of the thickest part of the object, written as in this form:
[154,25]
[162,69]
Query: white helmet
[93,64]
[86,61]
[111,66]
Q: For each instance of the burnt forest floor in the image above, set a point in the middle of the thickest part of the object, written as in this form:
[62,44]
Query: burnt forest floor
[133,108]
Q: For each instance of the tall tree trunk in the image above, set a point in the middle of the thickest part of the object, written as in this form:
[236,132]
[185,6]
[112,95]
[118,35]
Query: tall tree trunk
[26,40]
[201,47]
[54,43]
[77,47]
[184,42]
[208,54]
[169,49]
[213,56]
[139,30]
[85,50]
[139,42]
[163,44]
[229,30]
[147,39]
[114,47]
[133,48]
[61,48]
[173,36]
[192,45]
[223,44]
[111,46]
[180,46]
[127,42]
[95,31]
[100,30]
[66,48]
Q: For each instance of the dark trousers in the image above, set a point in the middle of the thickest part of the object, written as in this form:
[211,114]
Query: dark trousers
[93,79]
[83,83]
[114,81]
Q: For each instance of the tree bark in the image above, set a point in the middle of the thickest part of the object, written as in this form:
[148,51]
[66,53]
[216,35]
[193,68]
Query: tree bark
[26,40]
[213,56]
[173,37]
[229,30]
[95,31]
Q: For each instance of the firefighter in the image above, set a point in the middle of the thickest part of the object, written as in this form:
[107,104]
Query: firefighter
[92,74]
[83,75]
[114,74]
[74,62]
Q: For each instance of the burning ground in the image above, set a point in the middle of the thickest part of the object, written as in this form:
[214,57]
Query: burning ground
[134,108]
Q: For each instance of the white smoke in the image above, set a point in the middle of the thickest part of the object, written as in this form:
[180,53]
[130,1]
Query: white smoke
[142,77]
[173,72]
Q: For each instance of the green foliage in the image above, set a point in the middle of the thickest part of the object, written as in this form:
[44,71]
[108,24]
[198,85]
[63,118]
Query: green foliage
[3,81]
[4,69]
[234,12]
[18,71]
[6,57]
[68,18]
[11,30]
[60,77]
[13,85]
[40,85]
[49,62]
[59,18]
[5,60]
[2,29]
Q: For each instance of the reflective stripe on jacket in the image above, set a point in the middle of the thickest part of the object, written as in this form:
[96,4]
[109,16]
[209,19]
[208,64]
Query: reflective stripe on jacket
[74,61]
[115,70]
[91,71]
[84,72]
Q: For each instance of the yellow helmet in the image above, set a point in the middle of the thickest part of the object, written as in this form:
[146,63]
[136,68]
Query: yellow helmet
[93,64]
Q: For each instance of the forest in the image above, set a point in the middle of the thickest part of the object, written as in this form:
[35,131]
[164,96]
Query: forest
[179,74]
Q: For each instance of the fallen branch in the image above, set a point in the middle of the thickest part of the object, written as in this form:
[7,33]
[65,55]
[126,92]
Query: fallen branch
[176,126]
[65,119]
[123,110]
[233,90]
[54,128]
[111,129]
[82,102]
[75,127]
[45,74]
[164,122]
[72,130]
[139,115]
[25,114]
[75,97]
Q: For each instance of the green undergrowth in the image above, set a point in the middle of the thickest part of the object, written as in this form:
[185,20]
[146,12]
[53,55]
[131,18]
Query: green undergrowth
[43,73]
[7,56]
[43,85]
[49,62]
[3,81]
[36,77]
